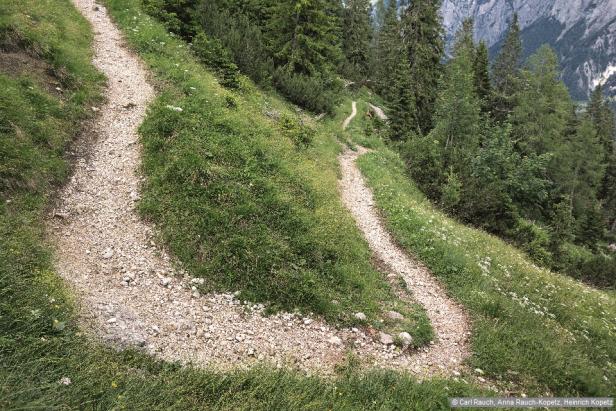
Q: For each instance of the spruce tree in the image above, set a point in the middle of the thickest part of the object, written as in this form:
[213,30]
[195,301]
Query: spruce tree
[387,53]
[582,155]
[464,37]
[304,35]
[608,193]
[403,124]
[505,72]
[422,35]
[544,106]
[483,87]
[457,117]
[603,119]
[357,34]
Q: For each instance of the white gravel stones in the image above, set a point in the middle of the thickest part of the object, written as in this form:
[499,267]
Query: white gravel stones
[65,381]
[378,112]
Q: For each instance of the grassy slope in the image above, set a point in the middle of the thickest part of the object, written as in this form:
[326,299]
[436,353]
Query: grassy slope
[39,340]
[34,354]
[542,330]
[240,203]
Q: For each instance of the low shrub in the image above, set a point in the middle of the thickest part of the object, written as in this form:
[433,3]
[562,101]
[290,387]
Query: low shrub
[214,55]
[534,240]
[316,93]
[301,134]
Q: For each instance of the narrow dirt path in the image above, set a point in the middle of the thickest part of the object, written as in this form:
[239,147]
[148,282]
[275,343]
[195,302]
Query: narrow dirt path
[350,118]
[450,322]
[128,290]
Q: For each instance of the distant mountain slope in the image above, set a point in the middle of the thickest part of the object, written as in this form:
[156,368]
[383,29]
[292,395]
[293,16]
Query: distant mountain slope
[583,32]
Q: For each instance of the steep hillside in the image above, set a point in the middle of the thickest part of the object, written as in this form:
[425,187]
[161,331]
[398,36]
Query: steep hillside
[241,189]
[582,32]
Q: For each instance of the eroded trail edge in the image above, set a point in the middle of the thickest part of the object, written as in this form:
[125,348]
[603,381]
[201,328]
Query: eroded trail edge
[128,290]
[448,318]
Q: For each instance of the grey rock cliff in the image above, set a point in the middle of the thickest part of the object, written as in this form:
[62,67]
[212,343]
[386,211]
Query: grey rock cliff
[583,32]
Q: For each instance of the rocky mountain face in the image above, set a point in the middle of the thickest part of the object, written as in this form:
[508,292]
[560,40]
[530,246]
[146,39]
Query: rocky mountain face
[583,33]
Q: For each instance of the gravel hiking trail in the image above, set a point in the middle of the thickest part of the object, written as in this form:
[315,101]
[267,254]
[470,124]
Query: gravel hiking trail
[131,294]
[448,319]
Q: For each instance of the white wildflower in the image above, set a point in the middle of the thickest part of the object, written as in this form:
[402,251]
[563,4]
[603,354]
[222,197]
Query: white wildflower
[174,108]
[65,381]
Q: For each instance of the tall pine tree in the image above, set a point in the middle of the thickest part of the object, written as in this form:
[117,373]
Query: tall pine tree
[457,125]
[483,86]
[388,46]
[357,34]
[403,123]
[304,35]
[603,119]
[505,72]
[422,35]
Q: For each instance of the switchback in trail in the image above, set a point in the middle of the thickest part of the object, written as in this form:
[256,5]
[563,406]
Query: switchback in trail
[131,294]
[450,322]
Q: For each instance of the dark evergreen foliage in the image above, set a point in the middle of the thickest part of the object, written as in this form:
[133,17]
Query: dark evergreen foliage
[422,35]
[357,36]
[505,72]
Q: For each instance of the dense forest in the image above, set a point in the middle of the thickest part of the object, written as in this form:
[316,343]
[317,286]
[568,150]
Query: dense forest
[500,144]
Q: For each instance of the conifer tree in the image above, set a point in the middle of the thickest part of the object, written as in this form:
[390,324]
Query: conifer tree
[304,35]
[457,117]
[592,227]
[464,37]
[603,119]
[403,124]
[544,106]
[483,87]
[608,193]
[387,53]
[579,166]
[422,35]
[357,34]
[505,72]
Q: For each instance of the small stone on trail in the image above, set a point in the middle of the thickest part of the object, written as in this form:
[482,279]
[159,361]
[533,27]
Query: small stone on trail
[360,316]
[405,338]
[335,340]
[108,253]
[385,338]
[165,281]
[394,315]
